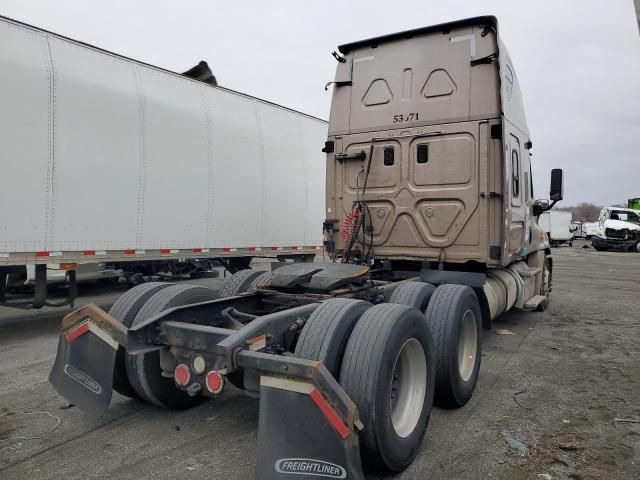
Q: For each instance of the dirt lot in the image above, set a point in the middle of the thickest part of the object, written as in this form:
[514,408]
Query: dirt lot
[558,397]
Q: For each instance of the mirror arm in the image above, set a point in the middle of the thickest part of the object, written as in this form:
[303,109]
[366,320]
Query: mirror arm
[551,205]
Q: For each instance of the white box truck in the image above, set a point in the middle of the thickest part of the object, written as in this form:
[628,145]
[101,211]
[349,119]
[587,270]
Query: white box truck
[109,160]
[557,225]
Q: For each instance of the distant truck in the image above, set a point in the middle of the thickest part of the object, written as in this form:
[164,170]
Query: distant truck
[557,225]
[618,229]
[107,160]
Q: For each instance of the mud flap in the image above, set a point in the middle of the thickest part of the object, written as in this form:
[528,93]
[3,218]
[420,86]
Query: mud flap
[301,436]
[83,369]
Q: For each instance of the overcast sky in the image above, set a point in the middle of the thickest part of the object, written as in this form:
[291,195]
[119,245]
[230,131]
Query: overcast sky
[578,62]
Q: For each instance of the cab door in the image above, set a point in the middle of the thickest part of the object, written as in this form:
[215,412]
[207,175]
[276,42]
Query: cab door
[518,205]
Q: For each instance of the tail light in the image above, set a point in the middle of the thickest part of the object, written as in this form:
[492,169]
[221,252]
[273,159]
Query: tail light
[214,382]
[182,375]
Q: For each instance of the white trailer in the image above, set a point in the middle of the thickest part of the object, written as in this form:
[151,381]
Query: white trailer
[557,225]
[107,159]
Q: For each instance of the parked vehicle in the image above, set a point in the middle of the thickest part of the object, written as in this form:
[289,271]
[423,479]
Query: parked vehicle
[557,225]
[118,162]
[578,229]
[618,229]
[590,229]
[431,228]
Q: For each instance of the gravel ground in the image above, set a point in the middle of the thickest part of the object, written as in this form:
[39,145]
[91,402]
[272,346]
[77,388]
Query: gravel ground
[558,398]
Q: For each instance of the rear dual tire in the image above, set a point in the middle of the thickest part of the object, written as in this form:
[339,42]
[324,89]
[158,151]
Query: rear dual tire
[125,310]
[242,281]
[413,294]
[388,370]
[455,319]
[144,371]
[326,333]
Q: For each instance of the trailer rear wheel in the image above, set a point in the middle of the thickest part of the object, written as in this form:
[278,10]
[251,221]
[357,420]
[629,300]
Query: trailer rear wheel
[239,282]
[414,294]
[388,370]
[455,319]
[144,370]
[325,335]
[125,309]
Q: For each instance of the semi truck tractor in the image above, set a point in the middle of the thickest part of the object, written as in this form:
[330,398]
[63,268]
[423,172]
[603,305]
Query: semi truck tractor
[107,160]
[430,232]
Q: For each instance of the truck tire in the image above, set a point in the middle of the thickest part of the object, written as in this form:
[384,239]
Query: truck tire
[144,371]
[125,310]
[239,282]
[260,281]
[388,370]
[325,335]
[455,319]
[414,294]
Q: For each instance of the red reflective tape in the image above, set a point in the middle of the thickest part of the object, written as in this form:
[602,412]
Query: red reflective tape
[294,248]
[313,247]
[274,248]
[329,413]
[226,249]
[81,329]
[165,251]
[129,252]
[252,249]
[89,253]
[42,254]
[197,250]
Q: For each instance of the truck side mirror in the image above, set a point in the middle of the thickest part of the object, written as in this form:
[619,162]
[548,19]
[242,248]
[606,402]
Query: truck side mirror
[556,192]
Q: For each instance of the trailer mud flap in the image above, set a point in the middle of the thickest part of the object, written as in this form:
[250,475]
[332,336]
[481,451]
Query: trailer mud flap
[301,436]
[83,370]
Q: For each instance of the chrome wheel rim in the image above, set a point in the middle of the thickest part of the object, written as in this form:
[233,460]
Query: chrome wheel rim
[467,345]
[408,387]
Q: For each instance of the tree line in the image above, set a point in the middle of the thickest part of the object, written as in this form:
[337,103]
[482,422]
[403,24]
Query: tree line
[585,211]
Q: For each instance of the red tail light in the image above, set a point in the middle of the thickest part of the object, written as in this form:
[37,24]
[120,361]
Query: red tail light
[182,375]
[214,382]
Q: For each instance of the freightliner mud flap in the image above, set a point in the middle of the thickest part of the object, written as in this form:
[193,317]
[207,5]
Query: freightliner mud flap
[83,369]
[308,426]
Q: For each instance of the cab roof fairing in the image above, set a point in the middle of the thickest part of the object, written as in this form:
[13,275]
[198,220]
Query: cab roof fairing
[510,94]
